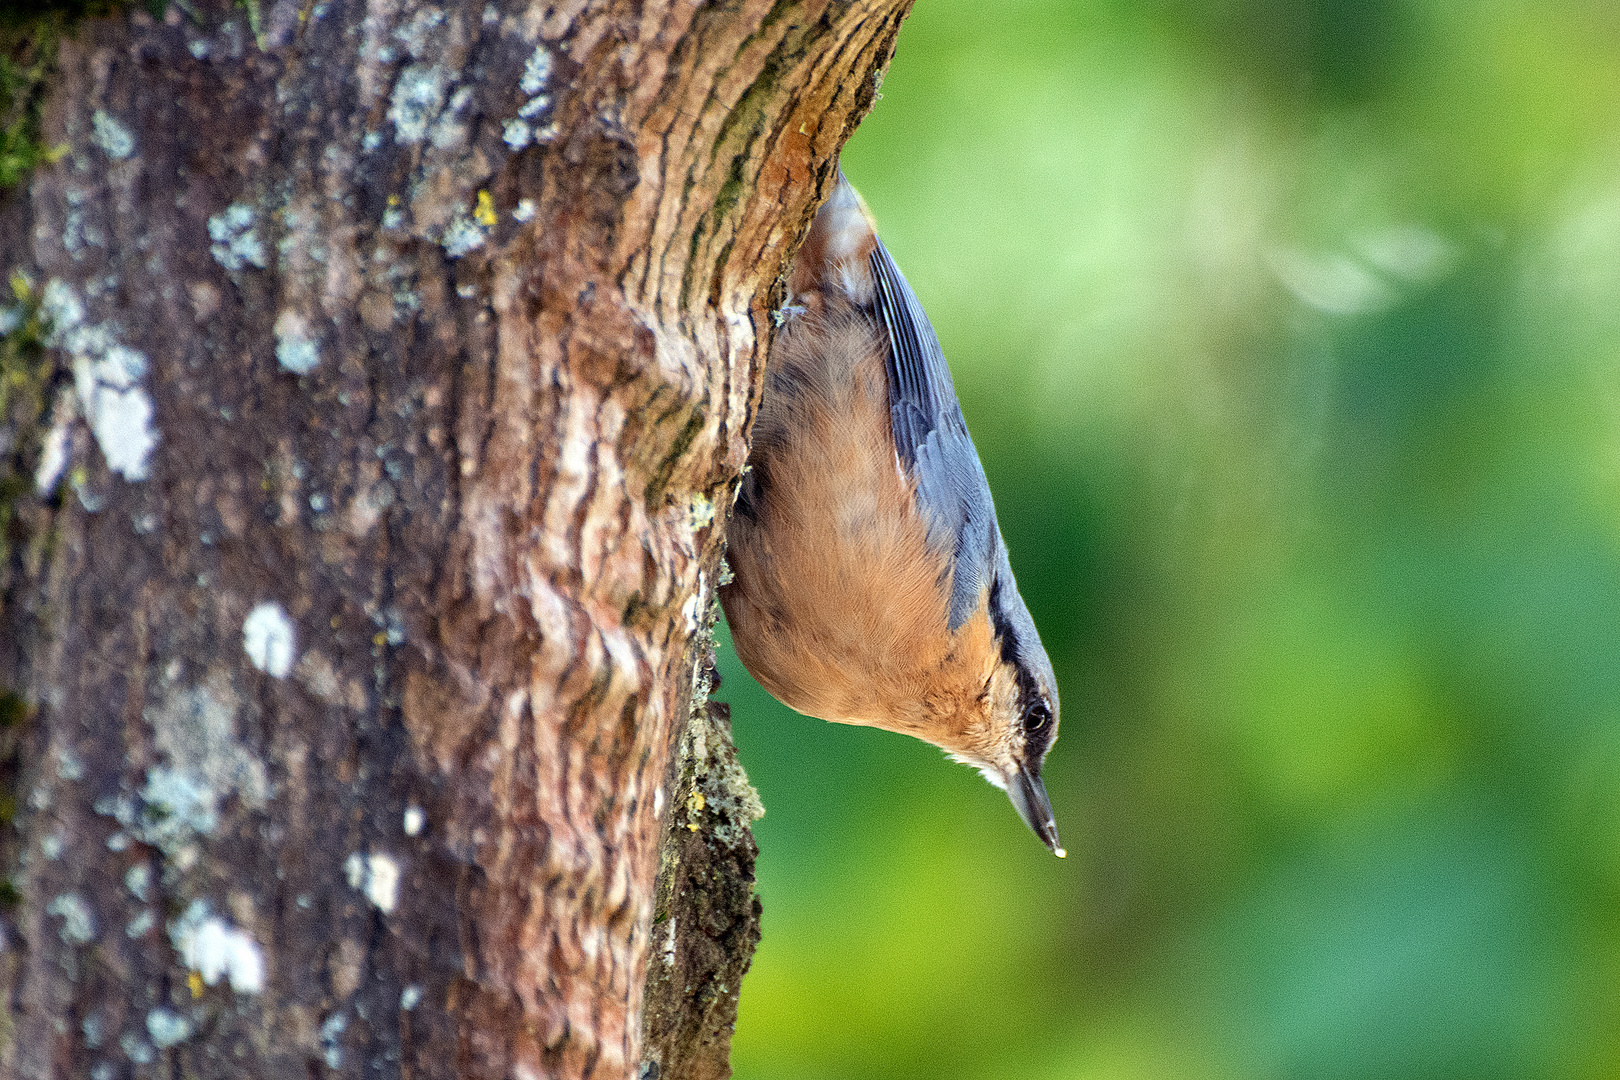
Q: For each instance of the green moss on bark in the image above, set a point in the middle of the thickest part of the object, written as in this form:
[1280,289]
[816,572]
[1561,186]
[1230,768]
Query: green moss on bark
[26,377]
[30,31]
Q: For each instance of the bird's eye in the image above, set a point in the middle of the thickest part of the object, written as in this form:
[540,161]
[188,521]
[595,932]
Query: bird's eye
[1036,719]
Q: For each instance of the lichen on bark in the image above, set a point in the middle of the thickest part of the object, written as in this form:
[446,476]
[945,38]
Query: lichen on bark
[706,914]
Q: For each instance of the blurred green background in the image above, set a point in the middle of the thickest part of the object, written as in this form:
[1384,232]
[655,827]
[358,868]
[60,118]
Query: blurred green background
[1289,333]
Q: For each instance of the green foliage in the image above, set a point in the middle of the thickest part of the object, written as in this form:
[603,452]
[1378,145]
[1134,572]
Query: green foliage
[51,18]
[29,33]
[23,68]
[25,374]
[1288,335]
[255,19]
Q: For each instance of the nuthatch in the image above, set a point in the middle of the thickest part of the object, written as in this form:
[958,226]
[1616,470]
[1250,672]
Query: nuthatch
[871,580]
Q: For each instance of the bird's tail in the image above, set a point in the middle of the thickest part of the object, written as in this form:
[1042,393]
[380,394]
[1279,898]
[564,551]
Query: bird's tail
[838,248]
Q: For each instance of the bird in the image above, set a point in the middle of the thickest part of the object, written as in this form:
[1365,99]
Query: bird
[870,582]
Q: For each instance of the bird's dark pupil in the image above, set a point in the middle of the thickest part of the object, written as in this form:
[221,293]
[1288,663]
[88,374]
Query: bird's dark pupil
[1036,718]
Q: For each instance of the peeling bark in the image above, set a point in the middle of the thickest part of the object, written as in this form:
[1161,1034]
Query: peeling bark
[362,532]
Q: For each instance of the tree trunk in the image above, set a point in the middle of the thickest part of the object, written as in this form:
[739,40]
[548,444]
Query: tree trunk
[377,384]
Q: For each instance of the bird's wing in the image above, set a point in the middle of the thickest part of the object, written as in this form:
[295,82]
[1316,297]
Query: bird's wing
[932,442]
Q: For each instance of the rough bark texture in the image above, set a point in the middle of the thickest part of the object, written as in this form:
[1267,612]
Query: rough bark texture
[363,519]
[706,919]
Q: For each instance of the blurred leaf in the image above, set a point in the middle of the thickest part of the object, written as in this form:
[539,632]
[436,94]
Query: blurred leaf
[1289,334]
[1422,945]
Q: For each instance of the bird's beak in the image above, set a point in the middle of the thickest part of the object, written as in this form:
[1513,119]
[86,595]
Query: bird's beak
[1028,796]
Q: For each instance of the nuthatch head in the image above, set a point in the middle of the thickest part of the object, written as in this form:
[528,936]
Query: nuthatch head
[871,583]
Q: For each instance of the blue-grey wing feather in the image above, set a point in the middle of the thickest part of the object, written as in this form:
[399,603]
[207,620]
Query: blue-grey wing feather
[932,441]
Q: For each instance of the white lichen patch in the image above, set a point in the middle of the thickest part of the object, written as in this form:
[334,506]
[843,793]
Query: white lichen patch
[520,132]
[699,512]
[111,135]
[536,70]
[138,880]
[524,211]
[137,1049]
[69,766]
[517,134]
[167,1028]
[297,349]
[376,875]
[269,638]
[195,729]
[735,800]
[236,241]
[668,950]
[106,376]
[215,949]
[382,882]
[176,808]
[331,1031]
[417,98]
[410,998]
[462,235]
[122,421]
[450,131]
[415,820]
[417,34]
[303,240]
[695,605]
[394,625]
[79,232]
[721,795]
[78,921]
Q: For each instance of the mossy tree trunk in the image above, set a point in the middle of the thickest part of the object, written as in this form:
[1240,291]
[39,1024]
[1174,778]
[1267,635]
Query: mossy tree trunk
[377,377]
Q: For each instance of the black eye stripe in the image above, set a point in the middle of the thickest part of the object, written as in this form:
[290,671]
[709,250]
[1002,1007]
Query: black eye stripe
[1035,717]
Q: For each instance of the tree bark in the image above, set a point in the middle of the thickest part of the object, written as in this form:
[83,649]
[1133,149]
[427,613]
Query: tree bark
[378,379]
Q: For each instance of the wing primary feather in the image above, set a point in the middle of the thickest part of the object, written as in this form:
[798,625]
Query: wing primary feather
[916,364]
[931,440]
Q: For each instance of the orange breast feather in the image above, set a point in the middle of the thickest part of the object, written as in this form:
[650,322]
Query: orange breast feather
[839,606]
